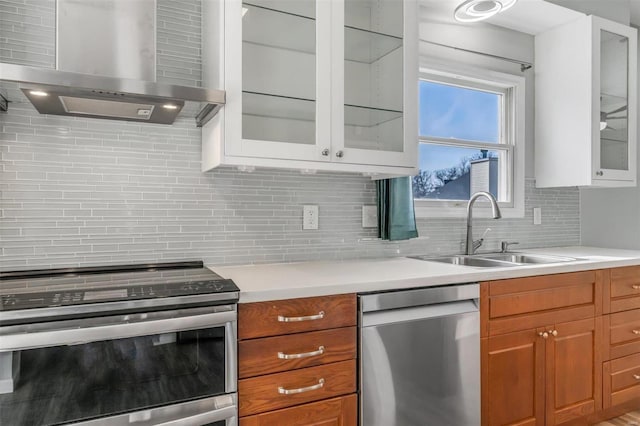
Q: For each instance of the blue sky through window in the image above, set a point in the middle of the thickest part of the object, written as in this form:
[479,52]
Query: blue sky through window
[455,112]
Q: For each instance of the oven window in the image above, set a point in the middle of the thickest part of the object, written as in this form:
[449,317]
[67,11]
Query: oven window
[61,384]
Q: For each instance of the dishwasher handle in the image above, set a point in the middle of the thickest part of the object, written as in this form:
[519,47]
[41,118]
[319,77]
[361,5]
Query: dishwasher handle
[371,302]
[416,313]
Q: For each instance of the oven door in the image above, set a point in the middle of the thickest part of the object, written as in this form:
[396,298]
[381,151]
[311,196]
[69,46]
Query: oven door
[158,368]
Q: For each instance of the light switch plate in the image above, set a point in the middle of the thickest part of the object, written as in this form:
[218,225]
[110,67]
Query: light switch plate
[369,216]
[310,217]
[537,216]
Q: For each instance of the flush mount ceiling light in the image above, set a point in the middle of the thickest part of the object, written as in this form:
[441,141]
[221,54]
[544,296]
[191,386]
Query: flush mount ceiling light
[478,10]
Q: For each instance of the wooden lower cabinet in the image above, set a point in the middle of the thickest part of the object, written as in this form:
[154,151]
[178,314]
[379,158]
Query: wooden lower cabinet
[297,362]
[545,376]
[513,379]
[573,370]
[331,412]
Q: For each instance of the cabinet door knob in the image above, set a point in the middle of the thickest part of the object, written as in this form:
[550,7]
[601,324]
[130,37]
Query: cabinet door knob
[636,332]
[636,286]
[325,152]
[543,334]
[554,333]
[339,154]
[599,173]
[636,376]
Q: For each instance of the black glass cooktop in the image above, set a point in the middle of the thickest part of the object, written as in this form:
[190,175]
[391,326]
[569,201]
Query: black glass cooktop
[90,285]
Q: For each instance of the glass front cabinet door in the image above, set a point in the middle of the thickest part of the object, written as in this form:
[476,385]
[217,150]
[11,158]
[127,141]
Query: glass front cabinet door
[614,150]
[313,84]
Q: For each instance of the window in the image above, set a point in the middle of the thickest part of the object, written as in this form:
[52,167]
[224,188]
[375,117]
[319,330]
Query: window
[471,139]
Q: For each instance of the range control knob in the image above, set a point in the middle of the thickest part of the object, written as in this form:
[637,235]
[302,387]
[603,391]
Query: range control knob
[190,287]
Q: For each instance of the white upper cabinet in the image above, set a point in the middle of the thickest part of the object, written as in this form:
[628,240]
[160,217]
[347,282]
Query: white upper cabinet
[313,85]
[586,104]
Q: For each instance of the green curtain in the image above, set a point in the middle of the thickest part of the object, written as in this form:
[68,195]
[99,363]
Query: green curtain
[396,216]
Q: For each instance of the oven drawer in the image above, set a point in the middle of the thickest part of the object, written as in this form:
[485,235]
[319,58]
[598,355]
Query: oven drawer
[263,319]
[621,380]
[275,354]
[281,390]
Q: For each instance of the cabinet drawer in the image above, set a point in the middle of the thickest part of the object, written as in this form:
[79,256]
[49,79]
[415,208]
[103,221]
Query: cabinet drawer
[278,317]
[623,333]
[525,303]
[622,380]
[274,354]
[266,393]
[625,288]
[337,411]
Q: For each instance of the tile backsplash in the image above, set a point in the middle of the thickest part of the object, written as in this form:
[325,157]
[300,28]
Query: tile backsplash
[86,192]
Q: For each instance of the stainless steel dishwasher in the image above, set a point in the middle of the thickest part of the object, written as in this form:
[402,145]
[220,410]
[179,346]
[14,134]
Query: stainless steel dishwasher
[420,357]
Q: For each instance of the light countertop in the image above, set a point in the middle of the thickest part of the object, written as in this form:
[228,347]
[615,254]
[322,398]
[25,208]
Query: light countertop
[308,279]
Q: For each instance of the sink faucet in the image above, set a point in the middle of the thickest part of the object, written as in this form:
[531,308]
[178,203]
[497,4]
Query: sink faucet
[471,246]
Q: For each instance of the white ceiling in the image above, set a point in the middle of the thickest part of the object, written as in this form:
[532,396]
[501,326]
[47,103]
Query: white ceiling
[534,16]
[527,16]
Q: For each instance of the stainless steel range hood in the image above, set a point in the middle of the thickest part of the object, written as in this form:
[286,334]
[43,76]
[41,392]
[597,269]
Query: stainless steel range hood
[106,68]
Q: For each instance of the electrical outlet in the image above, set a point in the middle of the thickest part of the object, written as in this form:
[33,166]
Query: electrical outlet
[537,216]
[369,216]
[310,217]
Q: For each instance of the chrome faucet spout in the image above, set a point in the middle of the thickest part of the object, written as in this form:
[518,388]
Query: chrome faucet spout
[471,246]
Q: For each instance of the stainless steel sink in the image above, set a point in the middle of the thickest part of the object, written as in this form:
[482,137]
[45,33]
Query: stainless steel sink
[467,261]
[497,260]
[527,258]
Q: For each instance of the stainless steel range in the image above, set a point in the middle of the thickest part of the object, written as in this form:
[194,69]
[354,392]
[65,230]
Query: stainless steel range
[122,345]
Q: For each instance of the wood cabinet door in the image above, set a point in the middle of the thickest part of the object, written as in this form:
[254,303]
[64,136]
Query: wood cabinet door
[513,379]
[331,412]
[573,370]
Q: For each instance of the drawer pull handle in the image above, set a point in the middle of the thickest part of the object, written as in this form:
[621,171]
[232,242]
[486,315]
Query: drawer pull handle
[635,332]
[320,351]
[298,319]
[284,391]
[636,376]
[636,286]
[543,334]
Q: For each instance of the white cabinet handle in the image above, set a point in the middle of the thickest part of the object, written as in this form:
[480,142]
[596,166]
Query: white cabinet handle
[636,332]
[284,391]
[636,376]
[320,351]
[319,316]
[635,287]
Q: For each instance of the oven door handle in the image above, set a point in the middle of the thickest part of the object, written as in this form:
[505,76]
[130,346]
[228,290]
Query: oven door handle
[59,335]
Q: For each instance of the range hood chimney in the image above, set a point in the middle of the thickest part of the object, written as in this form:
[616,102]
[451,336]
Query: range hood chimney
[106,67]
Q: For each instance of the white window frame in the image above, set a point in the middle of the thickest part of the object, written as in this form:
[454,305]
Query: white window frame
[512,136]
